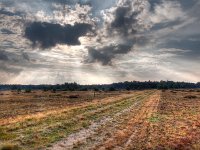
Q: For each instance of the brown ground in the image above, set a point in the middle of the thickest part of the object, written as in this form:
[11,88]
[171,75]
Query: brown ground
[167,119]
[179,125]
[135,130]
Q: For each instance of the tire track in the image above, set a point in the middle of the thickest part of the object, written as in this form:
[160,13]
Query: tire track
[134,134]
[77,139]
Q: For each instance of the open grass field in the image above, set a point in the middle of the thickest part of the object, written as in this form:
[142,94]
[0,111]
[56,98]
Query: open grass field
[149,119]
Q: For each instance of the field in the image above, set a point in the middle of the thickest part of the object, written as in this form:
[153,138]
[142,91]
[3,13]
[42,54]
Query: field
[149,119]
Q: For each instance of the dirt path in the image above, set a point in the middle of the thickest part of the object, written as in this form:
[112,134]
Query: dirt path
[134,134]
[120,131]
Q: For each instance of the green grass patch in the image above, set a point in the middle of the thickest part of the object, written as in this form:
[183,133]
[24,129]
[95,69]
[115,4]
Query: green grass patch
[155,118]
[4,135]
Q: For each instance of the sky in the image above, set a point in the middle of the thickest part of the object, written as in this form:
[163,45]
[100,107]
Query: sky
[99,41]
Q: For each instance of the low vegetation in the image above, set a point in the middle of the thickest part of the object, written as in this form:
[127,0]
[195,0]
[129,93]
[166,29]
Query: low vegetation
[149,119]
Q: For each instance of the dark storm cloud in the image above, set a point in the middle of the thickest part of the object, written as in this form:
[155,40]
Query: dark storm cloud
[6,31]
[106,54]
[124,22]
[13,57]
[47,35]
[3,56]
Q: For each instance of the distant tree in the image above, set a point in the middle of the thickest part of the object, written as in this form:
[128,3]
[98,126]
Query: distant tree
[198,85]
[112,89]
[96,89]
[128,88]
[103,89]
[54,90]
[83,89]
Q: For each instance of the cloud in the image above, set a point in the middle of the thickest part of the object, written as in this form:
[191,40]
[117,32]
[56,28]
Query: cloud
[173,50]
[12,64]
[47,35]
[84,33]
[3,56]
[167,11]
[126,17]
[122,29]
[104,55]
[6,31]
[191,46]
[9,13]
[25,56]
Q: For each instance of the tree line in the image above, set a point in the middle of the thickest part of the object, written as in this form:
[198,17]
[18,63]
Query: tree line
[133,85]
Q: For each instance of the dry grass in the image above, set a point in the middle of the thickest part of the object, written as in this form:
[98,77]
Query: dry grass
[16,107]
[180,126]
[170,123]
[38,129]
[14,104]
[163,120]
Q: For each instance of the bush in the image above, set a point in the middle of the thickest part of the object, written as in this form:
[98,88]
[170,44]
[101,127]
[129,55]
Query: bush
[73,96]
[96,90]
[54,90]
[28,91]
[45,89]
[84,89]
[191,90]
